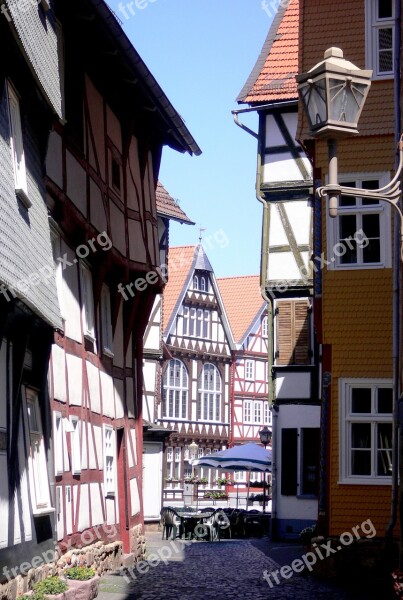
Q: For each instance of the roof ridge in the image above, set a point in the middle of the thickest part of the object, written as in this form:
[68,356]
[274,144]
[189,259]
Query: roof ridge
[236,277]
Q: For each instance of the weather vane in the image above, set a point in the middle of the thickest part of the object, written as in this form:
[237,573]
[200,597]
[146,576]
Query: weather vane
[201,229]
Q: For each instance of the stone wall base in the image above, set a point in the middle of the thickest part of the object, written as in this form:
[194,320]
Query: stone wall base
[365,561]
[98,556]
[137,543]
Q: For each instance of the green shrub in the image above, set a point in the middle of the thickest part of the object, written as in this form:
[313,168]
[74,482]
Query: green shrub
[79,573]
[49,586]
[307,534]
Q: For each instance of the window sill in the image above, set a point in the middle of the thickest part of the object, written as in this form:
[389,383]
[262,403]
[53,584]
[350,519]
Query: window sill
[23,197]
[108,352]
[365,481]
[40,512]
[355,267]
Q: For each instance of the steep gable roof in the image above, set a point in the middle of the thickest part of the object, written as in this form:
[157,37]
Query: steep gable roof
[182,263]
[243,303]
[273,76]
[167,207]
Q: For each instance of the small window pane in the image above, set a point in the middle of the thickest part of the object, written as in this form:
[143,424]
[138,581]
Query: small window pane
[361,449]
[361,400]
[385,41]
[385,9]
[348,200]
[370,184]
[384,466]
[385,400]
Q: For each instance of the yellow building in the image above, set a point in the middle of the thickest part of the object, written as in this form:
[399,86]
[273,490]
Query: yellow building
[354,275]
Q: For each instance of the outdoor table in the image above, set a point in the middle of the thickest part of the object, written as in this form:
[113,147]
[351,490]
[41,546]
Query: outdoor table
[189,521]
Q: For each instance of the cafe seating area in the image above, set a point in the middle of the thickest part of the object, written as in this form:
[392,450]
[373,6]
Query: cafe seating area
[213,524]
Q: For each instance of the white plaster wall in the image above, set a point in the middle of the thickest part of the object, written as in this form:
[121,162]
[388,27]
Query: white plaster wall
[99,446]
[113,128]
[299,215]
[108,400]
[84,513]
[75,379]
[129,354]
[96,504]
[118,228]
[98,216]
[135,497]
[93,383]
[54,162]
[130,396]
[119,398]
[70,288]
[95,101]
[277,236]
[76,183]
[92,464]
[59,373]
[84,455]
[293,385]
[136,243]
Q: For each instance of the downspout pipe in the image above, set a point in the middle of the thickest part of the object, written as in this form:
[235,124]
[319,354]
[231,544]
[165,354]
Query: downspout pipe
[269,300]
[396,306]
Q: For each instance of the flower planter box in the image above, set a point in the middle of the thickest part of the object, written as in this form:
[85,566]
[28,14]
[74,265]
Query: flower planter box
[84,590]
[67,595]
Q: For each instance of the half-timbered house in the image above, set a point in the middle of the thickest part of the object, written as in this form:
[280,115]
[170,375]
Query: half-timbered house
[74,473]
[284,186]
[250,409]
[194,398]
[154,434]
[102,174]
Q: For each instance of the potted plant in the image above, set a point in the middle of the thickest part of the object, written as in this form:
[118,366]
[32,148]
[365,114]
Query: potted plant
[50,588]
[84,582]
[306,536]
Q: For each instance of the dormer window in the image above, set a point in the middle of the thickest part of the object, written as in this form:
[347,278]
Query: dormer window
[200,283]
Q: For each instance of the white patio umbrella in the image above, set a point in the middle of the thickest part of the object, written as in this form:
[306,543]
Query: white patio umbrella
[245,457]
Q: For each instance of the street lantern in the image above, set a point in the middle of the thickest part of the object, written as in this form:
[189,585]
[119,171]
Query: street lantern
[193,448]
[333,94]
[265,435]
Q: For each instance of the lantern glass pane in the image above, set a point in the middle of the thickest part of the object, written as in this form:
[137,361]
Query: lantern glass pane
[346,100]
[314,99]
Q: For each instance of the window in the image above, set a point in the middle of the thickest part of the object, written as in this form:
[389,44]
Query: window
[196,322]
[247,411]
[209,397]
[38,474]
[175,390]
[192,321]
[358,237]
[257,410]
[207,324]
[58,443]
[265,327]
[199,323]
[58,267]
[310,461]
[177,464]
[293,332]
[109,460]
[267,416]
[185,320]
[380,33]
[195,282]
[87,302]
[366,430]
[201,283]
[106,321]
[75,441]
[17,146]
[249,369]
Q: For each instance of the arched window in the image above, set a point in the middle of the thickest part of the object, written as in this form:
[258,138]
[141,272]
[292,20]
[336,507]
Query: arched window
[175,390]
[203,285]
[209,396]
[264,327]
[195,282]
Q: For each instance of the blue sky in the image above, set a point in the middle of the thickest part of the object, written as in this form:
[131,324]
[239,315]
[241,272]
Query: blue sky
[201,52]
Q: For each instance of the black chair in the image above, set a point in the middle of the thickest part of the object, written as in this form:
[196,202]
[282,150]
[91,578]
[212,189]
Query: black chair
[217,524]
[171,522]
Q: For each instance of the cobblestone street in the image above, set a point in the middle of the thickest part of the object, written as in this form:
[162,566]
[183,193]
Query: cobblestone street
[222,570]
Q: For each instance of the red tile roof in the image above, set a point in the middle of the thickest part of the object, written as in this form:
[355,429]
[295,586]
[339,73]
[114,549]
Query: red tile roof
[273,76]
[180,261]
[168,207]
[242,301]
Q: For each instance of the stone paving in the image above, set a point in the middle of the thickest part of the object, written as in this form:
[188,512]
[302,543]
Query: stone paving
[221,571]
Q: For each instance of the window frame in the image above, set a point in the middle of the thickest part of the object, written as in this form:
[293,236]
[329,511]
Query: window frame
[109,447]
[372,26]
[37,463]
[383,209]
[182,390]
[247,411]
[347,418]
[249,369]
[75,441]
[209,399]
[17,145]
